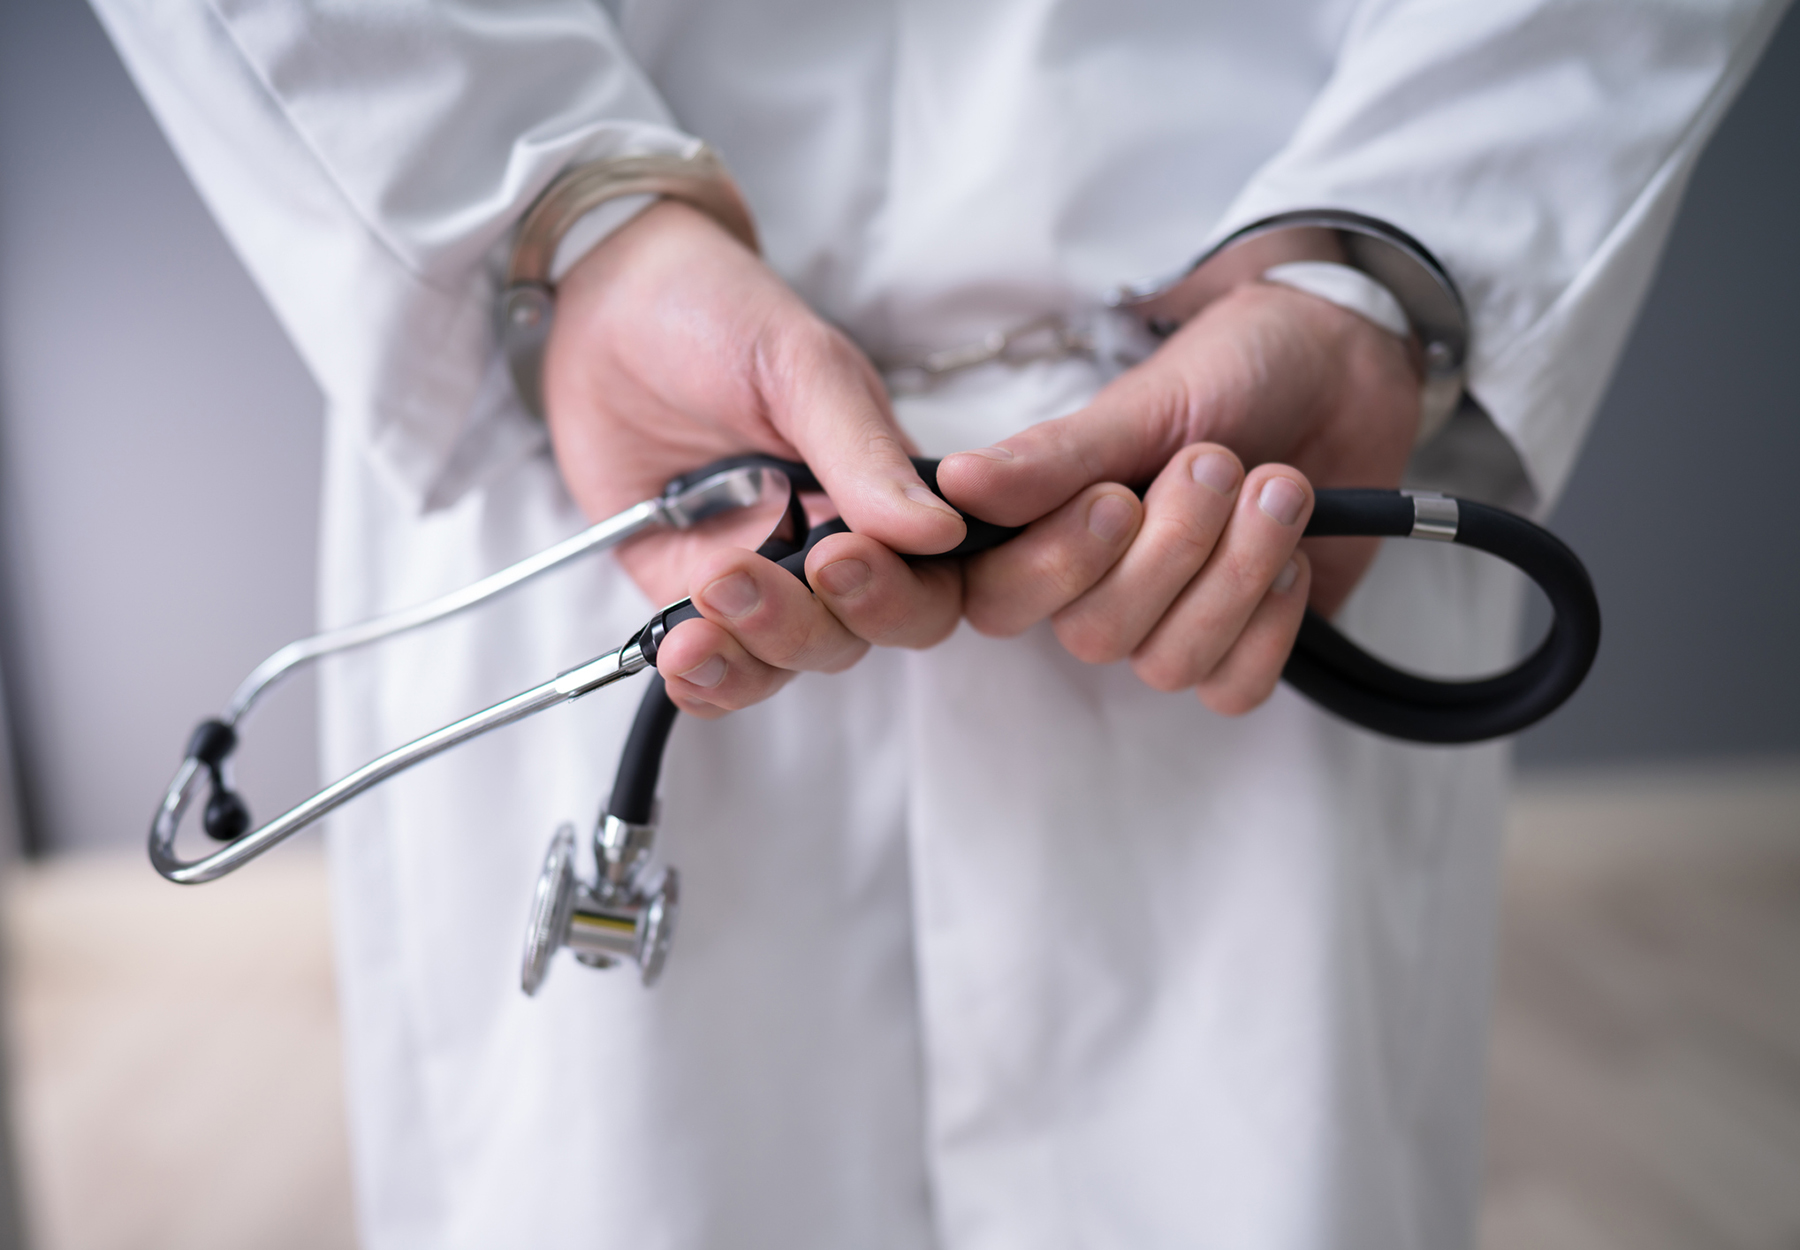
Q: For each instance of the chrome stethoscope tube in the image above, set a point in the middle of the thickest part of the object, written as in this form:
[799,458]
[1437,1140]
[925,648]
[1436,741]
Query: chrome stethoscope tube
[688,502]
[616,664]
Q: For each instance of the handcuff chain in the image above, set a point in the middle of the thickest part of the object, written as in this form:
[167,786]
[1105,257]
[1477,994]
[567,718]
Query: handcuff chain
[1064,340]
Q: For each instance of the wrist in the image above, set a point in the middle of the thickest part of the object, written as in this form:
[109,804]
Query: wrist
[592,229]
[1299,250]
[1279,374]
[570,203]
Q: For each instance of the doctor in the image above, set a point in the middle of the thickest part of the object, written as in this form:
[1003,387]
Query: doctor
[1006,941]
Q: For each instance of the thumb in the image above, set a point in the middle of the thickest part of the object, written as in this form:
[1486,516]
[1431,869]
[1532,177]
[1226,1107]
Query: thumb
[826,399]
[1125,435]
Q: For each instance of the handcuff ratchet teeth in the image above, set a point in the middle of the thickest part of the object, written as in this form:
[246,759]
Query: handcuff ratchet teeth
[627,912]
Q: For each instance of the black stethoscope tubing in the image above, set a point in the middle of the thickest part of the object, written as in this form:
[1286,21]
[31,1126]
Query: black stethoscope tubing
[1325,666]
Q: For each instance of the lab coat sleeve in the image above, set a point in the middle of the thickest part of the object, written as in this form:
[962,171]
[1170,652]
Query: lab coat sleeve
[1539,149]
[368,163]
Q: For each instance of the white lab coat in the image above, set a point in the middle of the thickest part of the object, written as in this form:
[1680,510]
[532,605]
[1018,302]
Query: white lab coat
[980,947]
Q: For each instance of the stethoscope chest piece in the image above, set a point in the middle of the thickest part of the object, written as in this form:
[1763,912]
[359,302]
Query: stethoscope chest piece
[627,915]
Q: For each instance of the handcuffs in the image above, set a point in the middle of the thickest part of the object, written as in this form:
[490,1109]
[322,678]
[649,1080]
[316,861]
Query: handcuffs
[627,912]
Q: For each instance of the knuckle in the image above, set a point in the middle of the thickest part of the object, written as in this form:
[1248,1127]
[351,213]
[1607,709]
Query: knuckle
[994,624]
[1091,639]
[698,708]
[936,633]
[906,612]
[1012,592]
[1238,576]
[1183,538]
[778,636]
[989,613]
[1235,698]
[799,342]
[1162,671]
[797,645]
[844,657]
[914,627]
[788,350]
[749,689]
[1050,576]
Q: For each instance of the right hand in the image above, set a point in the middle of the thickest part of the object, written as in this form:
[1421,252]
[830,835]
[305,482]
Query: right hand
[674,346]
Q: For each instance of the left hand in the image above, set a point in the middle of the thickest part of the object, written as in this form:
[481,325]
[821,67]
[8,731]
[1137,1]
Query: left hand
[1201,585]
[674,345]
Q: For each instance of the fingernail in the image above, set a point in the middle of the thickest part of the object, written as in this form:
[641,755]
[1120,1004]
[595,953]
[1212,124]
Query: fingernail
[992,453]
[1284,580]
[1108,518]
[919,495]
[708,673]
[1281,499]
[843,577]
[733,595]
[1216,470]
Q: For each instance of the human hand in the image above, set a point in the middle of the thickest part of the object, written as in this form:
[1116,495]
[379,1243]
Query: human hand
[674,346]
[1204,583]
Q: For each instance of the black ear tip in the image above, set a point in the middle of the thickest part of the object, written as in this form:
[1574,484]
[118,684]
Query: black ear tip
[227,818]
[212,742]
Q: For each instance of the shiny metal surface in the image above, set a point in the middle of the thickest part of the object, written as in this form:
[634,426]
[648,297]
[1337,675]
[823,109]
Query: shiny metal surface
[1435,516]
[711,496]
[699,179]
[719,493]
[1433,306]
[656,932]
[622,849]
[603,927]
[707,498]
[550,907]
[611,667]
[528,304]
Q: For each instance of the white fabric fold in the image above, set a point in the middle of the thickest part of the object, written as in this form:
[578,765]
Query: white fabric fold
[980,947]
[376,159]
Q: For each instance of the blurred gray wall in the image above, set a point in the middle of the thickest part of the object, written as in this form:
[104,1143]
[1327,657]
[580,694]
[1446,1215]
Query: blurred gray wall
[159,453]
[1681,504]
[159,459]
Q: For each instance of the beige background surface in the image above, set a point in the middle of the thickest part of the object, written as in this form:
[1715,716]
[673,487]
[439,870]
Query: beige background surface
[176,1070]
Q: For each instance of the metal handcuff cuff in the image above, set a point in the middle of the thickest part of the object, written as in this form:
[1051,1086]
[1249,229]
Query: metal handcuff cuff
[627,913]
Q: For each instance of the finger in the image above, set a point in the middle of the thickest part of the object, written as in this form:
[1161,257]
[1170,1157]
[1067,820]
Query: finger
[1012,587]
[708,673]
[1127,435]
[1185,512]
[881,598]
[772,613]
[1246,677]
[773,623]
[827,400]
[1209,615]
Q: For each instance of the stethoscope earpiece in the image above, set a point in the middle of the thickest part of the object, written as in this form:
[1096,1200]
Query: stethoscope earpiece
[226,817]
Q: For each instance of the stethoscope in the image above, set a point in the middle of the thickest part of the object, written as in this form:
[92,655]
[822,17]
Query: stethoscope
[627,913]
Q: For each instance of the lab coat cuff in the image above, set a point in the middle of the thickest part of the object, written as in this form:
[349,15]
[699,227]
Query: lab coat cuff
[1355,261]
[528,302]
